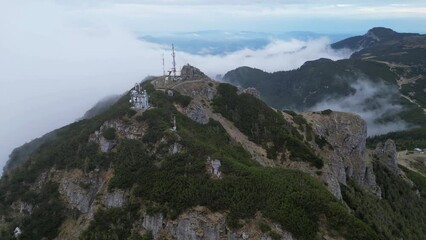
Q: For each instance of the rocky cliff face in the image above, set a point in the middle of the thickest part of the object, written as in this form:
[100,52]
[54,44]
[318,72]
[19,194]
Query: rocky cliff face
[78,191]
[86,191]
[387,154]
[201,224]
[197,113]
[123,130]
[345,156]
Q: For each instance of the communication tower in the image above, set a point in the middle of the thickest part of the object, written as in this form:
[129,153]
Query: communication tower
[164,71]
[174,62]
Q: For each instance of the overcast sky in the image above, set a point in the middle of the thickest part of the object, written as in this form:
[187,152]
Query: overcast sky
[57,58]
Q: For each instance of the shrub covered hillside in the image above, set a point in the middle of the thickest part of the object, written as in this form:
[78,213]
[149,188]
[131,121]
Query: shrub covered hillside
[263,125]
[160,182]
[400,214]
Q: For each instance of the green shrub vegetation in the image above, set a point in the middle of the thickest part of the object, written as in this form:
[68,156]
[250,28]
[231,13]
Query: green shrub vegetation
[321,141]
[404,140]
[263,125]
[264,227]
[112,224]
[109,134]
[327,112]
[274,235]
[323,79]
[173,183]
[180,181]
[398,215]
[180,99]
[47,215]
[70,149]
[291,198]
[418,180]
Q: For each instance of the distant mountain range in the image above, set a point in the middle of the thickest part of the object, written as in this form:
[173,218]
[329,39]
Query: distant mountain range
[393,64]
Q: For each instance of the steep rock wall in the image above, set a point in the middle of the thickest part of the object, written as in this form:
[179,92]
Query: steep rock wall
[201,224]
[345,154]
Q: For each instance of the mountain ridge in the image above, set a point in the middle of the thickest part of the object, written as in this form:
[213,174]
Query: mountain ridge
[394,64]
[209,160]
[78,192]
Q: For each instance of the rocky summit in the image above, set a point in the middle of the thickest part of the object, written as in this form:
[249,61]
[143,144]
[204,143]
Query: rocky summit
[189,72]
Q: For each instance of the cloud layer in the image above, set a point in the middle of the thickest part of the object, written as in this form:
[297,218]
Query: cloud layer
[374,102]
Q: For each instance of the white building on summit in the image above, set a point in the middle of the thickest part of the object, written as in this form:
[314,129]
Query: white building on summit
[139,97]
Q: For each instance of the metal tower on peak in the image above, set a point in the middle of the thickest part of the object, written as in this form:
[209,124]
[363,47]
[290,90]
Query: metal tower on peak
[164,70]
[174,62]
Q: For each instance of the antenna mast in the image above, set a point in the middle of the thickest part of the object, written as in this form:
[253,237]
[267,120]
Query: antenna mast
[164,71]
[174,123]
[174,62]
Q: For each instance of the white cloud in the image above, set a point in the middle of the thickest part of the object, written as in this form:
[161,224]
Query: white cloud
[372,101]
[276,56]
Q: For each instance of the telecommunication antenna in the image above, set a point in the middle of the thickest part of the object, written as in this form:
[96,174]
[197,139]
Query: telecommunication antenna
[174,62]
[164,71]
[174,123]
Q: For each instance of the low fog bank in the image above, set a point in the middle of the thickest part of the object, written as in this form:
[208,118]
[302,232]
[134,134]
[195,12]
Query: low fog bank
[55,64]
[278,55]
[374,102]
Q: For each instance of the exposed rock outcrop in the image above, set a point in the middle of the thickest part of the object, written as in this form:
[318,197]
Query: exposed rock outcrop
[106,145]
[387,154]
[115,199]
[85,191]
[175,148]
[252,91]
[22,207]
[80,191]
[197,89]
[189,73]
[201,224]
[39,182]
[346,158]
[197,113]
[123,130]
